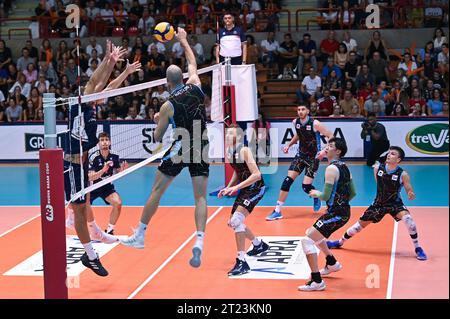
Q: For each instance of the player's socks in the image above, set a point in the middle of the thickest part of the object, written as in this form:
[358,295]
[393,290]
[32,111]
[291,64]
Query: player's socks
[352,231]
[331,260]
[90,251]
[412,229]
[241,255]
[315,276]
[278,206]
[200,240]
[256,241]
[140,231]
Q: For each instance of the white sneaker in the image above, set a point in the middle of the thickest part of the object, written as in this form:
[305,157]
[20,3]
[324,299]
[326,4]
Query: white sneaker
[135,241]
[100,235]
[280,77]
[313,286]
[329,269]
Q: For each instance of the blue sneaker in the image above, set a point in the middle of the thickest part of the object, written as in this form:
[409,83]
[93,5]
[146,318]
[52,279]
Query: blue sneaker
[317,204]
[420,254]
[196,257]
[333,244]
[274,216]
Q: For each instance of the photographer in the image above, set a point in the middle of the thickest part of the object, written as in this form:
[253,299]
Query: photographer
[376,138]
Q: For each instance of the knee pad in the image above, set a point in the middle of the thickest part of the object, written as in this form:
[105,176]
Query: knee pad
[237,222]
[286,186]
[308,246]
[409,221]
[307,188]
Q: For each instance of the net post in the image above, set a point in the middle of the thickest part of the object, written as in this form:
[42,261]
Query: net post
[51,175]
[229,114]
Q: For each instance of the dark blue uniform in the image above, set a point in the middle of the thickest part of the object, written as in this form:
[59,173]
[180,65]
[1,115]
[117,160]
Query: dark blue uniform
[388,199]
[249,196]
[338,206]
[82,127]
[309,146]
[189,114]
[97,164]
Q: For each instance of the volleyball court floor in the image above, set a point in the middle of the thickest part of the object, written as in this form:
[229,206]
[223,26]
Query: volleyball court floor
[378,263]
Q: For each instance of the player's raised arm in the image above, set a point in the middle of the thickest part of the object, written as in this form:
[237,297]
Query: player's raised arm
[322,129]
[190,57]
[130,68]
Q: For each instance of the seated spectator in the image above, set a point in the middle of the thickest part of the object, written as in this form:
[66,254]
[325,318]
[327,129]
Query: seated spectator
[24,60]
[306,53]
[156,64]
[161,94]
[288,53]
[135,12]
[337,112]
[350,85]
[5,55]
[146,22]
[71,72]
[350,43]
[313,109]
[376,44]
[329,18]
[93,45]
[310,87]
[347,103]
[352,67]
[399,110]
[252,50]
[364,77]
[444,110]
[417,110]
[112,116]
[333,83]
[34,53]
[374,134]
[435,105]
[415,16]
[433,15]
[177,55]
[443,59]
[379,68]
[150,115]
[91,10]
[155,104]
[356,112]
[346,16]
[29,114]
[197,48]
[408,65]
[341,56]
[49,72]
[429,48]
[416,98]
[439,81]
[439,39]
[428,67]
[94,56]
[375,102]
[25,87]
[330,66]
[30,74]
[133,113]
[248,16]
[326,103]
[13,111]
[328,46]
[269,48]
[92,67]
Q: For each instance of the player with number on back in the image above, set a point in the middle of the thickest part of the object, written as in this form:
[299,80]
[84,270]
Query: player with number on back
[390,179]
[308,131]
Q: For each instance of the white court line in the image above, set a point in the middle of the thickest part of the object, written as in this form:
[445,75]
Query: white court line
[20,225]
[134,293]
[392,263]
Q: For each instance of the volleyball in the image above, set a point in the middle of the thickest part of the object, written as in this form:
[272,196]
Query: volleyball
[163,32]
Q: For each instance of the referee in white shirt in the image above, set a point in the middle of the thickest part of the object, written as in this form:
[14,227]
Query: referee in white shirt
[232,42]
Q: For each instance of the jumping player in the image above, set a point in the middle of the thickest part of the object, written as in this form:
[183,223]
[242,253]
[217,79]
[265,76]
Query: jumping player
[338,192]
[390,178]
[102,166]
[248,181]
[185,109]
[308,131]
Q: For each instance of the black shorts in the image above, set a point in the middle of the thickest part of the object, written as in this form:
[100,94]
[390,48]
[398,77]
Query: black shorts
[332,220]
[72,181]
[376,212]
[102,192]
[248,198]
[309,164]
[172,163]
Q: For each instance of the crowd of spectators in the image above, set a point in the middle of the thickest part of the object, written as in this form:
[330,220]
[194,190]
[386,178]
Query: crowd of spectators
[343,78]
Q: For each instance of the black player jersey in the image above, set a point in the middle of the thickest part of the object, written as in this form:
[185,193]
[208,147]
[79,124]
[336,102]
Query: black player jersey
[389,185]
[81,127]
[309,140]
[99,161]
[189,110]
[340,196]
[240,167]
